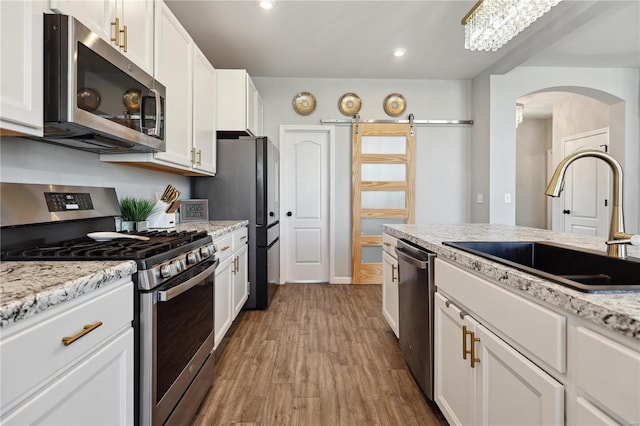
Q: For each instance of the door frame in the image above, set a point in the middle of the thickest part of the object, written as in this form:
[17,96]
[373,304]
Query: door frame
[330,130]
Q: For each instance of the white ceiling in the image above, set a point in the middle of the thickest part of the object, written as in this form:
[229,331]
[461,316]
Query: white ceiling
[355,39]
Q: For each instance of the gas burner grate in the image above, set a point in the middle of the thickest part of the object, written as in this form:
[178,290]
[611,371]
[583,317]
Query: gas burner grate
[118,249]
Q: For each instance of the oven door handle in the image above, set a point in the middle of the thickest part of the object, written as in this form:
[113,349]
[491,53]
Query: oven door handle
[165,296]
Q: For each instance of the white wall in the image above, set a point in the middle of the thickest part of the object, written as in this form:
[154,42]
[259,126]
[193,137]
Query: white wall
[533,141]
[27,161]
[610,84]
[442,154]
[480,148]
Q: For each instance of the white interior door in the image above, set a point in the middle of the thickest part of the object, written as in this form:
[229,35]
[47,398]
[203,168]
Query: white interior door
[587,184]
[304,216]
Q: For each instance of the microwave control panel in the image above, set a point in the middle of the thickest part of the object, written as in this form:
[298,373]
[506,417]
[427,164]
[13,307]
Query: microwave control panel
[66,201]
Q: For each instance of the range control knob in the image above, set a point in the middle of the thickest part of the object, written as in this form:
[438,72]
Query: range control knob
[192,258]
[205,251]
[178,265]
[165,271]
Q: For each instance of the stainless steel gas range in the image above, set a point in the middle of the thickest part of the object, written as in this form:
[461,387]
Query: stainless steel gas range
[174,302]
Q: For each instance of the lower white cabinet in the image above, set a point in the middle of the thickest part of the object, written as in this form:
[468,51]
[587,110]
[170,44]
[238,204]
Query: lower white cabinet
[231,285]
[390,279]
[480,379]
[98,390]
[87,381]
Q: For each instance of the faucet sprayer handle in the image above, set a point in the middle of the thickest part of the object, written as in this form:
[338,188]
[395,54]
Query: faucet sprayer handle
[622,238]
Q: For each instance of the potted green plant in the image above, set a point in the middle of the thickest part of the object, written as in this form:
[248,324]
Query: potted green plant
[135,212]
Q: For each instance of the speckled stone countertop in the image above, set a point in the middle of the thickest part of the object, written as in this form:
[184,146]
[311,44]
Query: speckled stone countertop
[619,312]
[217,228]
[27,288]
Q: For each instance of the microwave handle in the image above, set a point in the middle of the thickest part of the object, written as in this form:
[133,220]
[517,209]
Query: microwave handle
[158,112]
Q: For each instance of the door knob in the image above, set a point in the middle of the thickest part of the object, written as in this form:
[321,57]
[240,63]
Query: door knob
[566,211]
[272,214]
[289,214]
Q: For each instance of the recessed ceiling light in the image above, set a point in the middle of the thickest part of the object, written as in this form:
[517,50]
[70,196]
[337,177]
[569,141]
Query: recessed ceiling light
[267,4]
[399,52]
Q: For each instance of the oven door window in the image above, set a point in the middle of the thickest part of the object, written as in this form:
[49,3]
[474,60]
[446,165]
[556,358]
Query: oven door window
[183,324]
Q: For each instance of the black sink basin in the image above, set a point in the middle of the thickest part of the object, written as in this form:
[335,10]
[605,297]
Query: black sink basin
[580,269]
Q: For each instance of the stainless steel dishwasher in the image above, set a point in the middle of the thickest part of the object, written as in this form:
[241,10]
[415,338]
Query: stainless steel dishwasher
[416,292]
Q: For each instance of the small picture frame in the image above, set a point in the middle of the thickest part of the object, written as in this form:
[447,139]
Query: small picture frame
[194,211]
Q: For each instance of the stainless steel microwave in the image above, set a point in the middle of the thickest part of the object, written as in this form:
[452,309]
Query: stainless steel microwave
[95,99]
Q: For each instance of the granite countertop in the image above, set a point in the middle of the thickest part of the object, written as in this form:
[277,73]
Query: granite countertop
[27,288]
[619,312]
[217,228]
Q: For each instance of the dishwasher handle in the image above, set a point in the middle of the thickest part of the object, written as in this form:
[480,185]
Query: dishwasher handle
[420,264]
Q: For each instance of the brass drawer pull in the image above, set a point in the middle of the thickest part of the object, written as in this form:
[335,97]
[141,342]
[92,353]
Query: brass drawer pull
[123,46]
[474,339]
[225,248]
[465,351]
[86,330]
[116,38]
[393,273]
[244,237]
[386,244]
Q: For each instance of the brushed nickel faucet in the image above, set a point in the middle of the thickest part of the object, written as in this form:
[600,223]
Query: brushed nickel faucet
[618,238]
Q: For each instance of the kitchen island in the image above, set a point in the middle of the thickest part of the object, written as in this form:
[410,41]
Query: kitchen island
[619,312]
[510,347]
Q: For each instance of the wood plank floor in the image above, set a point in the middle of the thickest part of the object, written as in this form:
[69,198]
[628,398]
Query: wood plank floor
[321,354]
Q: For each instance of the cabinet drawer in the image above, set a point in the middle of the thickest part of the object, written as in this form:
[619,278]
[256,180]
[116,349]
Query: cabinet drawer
[33,355]
[239,238]
[224,246]
[389,244]
[609,374]
[537,329]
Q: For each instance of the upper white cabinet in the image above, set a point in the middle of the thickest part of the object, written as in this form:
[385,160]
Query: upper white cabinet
[190,81]
[126,24]
[240,107]
[174,69]
[21,68]
[204,113]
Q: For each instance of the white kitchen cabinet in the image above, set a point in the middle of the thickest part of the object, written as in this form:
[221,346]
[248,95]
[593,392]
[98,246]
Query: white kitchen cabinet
[88,381]
[607,376]
[390,309]
[231,286]
[190,81]
[239,105]
[240,287]
[223,314]
[480,379]
[126,24]
[174,69]
[21,68]
[204,114]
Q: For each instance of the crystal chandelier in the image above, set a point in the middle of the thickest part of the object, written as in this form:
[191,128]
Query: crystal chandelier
[492,23]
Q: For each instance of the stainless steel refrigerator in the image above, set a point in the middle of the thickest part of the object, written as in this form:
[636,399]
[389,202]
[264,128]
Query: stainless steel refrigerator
[246,187]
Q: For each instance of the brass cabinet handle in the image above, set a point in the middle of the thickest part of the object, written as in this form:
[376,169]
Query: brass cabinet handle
[393,273]
[124,32]
[236,261]
[225,248]
[86,330]
[193,156]
[474,339]
[244,237]
[386,244]
[116,32]
[199,157]
[465,351]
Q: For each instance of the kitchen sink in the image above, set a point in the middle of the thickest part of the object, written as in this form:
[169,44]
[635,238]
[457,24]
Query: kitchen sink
[583,270]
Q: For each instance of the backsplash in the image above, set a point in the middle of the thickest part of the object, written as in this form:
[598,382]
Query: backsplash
[27,161]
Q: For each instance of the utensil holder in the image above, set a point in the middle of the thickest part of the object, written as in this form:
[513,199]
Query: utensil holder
[161,220]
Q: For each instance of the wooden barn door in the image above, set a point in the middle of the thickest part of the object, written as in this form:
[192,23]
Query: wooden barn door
[383,187]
